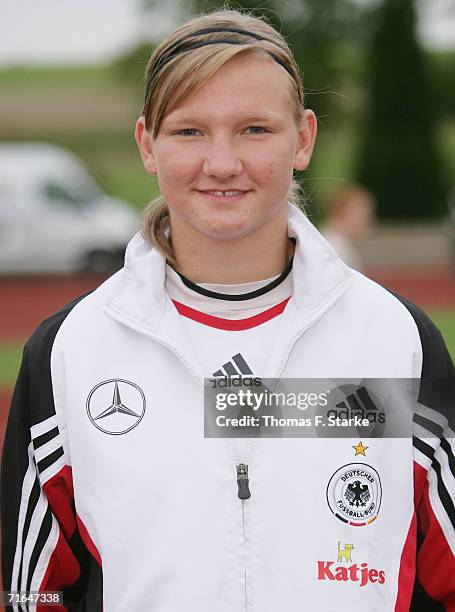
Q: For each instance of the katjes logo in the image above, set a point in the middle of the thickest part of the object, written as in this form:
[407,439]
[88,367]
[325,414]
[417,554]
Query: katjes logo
[357,572]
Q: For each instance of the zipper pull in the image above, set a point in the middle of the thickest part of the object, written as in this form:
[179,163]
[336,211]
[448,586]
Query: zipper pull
[243,481]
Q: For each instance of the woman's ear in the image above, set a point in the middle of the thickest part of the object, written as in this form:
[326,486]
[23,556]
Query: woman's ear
[306,138]
[145,143]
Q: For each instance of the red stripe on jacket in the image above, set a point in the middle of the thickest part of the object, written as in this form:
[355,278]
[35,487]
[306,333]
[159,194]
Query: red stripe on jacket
[63,568]
[231,324]
[435,560]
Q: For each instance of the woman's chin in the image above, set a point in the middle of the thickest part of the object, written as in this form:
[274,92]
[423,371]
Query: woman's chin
[224,230]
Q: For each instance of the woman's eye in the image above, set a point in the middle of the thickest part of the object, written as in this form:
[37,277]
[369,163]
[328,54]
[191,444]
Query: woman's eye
[187,132]
[257,129]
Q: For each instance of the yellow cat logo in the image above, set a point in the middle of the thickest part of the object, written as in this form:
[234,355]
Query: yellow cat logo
[344,553]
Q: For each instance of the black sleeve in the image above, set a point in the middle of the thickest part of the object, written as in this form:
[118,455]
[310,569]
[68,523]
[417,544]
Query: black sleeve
[42,548]
[434,588]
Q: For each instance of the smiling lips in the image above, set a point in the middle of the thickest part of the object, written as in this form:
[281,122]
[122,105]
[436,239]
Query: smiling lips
[225,195]
[225,192]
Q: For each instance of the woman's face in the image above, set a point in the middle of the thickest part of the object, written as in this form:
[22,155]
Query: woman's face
[224,158]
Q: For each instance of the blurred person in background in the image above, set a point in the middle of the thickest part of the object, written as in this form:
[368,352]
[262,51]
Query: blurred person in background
[350,214]
[110,491]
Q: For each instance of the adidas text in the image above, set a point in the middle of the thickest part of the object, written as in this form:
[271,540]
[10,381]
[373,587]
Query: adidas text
[235,381]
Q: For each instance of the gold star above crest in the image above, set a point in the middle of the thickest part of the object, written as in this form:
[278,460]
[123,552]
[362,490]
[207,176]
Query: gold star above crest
[360,449]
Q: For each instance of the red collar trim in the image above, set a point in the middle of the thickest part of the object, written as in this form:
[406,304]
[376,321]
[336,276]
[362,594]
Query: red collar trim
[230,324]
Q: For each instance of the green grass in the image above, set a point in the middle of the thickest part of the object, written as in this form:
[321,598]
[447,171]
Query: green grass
[11,354]
[445,320]
[32,78]
[129,184]
[10,360]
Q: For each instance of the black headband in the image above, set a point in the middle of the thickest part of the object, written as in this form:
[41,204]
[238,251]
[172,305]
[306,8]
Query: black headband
[180,47]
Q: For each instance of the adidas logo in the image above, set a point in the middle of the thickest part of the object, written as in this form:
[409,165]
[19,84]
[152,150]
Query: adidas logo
[235,372]
[360,404]
[237,366]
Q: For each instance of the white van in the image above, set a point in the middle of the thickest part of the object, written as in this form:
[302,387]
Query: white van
[54,218]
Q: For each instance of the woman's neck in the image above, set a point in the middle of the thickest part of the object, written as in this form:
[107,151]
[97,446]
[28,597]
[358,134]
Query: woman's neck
[254,257]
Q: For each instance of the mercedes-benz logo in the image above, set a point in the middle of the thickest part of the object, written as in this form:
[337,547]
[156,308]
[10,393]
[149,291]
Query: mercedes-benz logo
[116,406]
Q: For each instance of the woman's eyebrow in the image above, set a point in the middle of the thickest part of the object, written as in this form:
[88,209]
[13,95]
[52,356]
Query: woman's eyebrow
[186,119]
[260,118]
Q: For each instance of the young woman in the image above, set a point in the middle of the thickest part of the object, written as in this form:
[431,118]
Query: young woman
[110,491]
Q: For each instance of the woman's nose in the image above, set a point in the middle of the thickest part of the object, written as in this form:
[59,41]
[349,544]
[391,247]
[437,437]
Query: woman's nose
[222,160]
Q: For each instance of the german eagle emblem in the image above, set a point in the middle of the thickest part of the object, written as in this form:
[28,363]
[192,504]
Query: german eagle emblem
[357,494]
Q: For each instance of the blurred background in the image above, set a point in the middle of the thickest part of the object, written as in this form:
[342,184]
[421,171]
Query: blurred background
[380,75]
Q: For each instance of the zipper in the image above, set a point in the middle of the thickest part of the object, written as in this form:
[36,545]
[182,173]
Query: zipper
[243,483]
[243,493]
[244,556]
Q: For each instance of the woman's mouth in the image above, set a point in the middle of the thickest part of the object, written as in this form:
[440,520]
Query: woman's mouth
[226,195]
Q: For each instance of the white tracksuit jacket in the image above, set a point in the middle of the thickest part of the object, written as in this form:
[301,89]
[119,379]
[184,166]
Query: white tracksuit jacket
[139,512]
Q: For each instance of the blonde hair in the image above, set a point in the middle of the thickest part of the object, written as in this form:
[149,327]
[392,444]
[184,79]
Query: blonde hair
[173,73]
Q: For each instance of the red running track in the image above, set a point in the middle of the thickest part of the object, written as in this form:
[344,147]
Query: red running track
[27,301]
[430,289]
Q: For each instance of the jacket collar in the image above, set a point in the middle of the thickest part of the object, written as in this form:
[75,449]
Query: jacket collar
[319,275]
[140,300]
